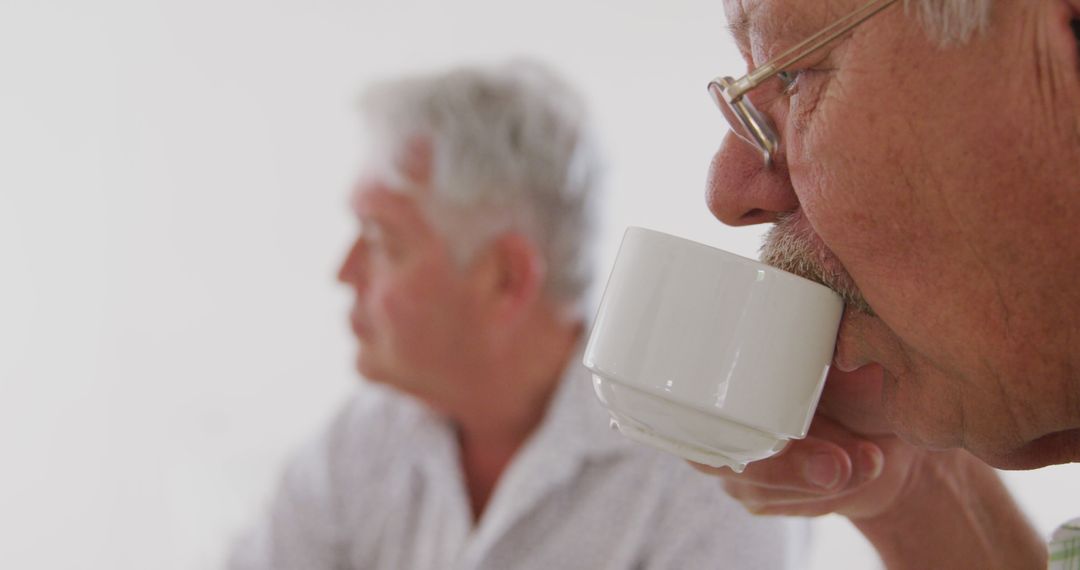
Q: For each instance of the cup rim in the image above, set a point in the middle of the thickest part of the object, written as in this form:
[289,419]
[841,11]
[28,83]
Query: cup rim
[713,250]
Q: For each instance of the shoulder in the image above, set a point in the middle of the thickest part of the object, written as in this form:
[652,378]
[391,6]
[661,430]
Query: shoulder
[374,421]
[364,437]
[373,435]
[374,407]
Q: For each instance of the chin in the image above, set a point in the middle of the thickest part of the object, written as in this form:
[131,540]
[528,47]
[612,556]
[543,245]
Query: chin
[379,371]
[919,418]
[1051,449]
[933,441]
[369,367]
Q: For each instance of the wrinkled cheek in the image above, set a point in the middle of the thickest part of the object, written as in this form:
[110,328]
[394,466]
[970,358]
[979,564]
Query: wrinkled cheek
[812,182]
[379,309]
[393,311]
[809,125]
[811,158]
[923,413]
[838,177]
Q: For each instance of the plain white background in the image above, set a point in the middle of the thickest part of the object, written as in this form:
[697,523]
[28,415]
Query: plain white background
[173,180]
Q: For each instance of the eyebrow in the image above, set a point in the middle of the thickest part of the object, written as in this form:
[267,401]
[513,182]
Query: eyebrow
[793,25]
[385,222]
[392,212]
[376,223]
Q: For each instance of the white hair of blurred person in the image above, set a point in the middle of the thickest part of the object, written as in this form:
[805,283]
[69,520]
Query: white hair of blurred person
[510,151]
[953,21]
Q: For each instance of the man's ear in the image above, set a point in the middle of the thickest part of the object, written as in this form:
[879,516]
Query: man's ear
[515,277]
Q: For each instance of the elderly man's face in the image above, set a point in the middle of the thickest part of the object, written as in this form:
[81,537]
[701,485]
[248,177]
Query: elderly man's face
[412,312]
[939,189]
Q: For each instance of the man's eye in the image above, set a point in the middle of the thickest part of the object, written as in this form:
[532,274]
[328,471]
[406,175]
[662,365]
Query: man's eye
[371,233]
[789,80]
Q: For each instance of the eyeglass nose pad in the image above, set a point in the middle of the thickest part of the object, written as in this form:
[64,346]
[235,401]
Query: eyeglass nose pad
[767,158]
[760,128]
[745,120]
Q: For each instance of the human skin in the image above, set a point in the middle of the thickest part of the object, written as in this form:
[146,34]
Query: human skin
[940,183]
[943,181]
[477,342]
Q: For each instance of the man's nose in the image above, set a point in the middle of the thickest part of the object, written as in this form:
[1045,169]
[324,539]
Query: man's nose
[352,268]
[741,191]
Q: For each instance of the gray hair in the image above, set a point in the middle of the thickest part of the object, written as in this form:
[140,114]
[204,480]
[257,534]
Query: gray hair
[511,152]
[953,21]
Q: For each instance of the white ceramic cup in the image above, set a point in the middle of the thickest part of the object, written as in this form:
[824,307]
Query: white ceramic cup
[714,357]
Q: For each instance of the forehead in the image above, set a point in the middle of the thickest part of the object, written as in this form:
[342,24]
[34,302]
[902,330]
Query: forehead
[395,210]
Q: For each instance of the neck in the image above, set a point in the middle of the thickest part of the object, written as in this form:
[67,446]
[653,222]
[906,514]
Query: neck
[519,384]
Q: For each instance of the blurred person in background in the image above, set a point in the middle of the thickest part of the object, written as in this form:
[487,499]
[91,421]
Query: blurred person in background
[926,166]
[481,444]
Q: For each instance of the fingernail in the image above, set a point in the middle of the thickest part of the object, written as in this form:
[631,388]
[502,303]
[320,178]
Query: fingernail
[822,470]
[869,461]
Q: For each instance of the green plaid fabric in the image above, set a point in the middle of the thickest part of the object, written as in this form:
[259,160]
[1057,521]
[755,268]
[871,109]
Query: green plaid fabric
[1065,547]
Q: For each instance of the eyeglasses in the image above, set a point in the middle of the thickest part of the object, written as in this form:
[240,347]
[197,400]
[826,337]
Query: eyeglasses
[730,94]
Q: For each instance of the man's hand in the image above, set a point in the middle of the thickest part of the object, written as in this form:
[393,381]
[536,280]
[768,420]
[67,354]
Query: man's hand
[850,463]
[919,508]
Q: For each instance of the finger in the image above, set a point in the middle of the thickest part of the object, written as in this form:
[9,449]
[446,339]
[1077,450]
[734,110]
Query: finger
[810,465]
[760,499]
[764,501]
[829,460]
[755,497]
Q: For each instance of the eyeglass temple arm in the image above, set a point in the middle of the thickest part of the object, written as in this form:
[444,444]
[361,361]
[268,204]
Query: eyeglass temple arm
[810,45]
